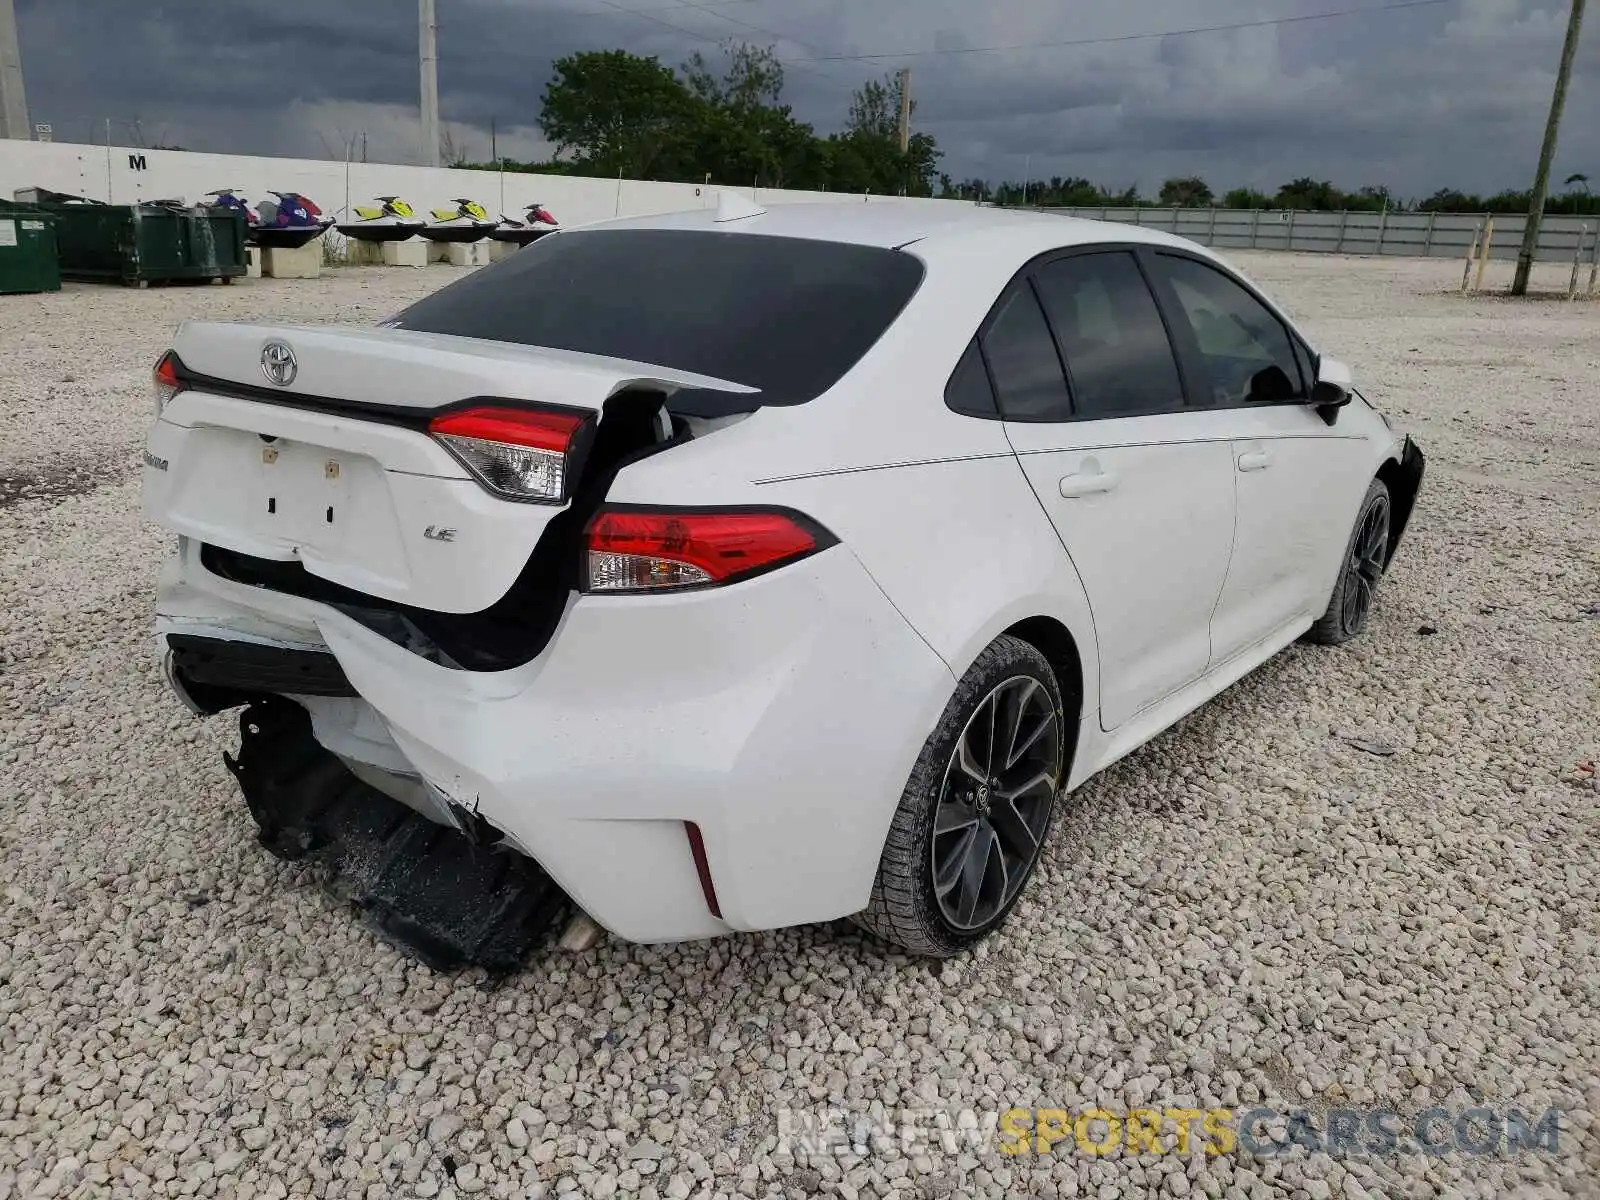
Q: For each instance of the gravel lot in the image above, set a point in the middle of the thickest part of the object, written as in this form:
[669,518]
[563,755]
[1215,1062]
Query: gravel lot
[1250,910]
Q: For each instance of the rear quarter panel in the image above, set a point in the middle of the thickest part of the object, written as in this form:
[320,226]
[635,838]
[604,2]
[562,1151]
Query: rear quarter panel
[960,546]
[934,505]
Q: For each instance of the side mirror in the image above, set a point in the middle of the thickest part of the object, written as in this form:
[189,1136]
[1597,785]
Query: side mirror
[1332,390]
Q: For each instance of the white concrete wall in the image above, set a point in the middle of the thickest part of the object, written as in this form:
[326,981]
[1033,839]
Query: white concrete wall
[122,175]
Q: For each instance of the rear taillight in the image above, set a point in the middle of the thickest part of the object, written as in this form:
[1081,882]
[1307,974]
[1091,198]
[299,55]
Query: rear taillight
[167,379]
[656,550]
[518,453]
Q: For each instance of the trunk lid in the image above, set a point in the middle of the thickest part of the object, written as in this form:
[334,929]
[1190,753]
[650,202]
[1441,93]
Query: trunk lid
[333,468]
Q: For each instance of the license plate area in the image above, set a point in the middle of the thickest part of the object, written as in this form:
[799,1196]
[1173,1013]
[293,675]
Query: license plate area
[303,493]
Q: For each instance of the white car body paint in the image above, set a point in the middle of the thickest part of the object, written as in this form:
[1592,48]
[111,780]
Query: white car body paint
[781,714]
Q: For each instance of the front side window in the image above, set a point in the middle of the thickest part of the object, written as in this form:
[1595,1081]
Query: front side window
[1118,356]
[1244,348]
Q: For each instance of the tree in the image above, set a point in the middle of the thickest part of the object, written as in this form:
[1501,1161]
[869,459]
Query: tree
[611,112]
[866,157]
[1243,197]
[753,78]
[616,112]
[1190,192]
[1450,200]
[875,108]
[1371,199]
[1319,195]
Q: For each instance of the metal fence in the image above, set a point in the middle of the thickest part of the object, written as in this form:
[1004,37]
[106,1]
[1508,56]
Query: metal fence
[1400,234]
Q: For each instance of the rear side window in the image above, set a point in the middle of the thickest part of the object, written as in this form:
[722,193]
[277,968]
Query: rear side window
[968,391]
[1116,347]
[1022,357]
[789,316]
[1244,348]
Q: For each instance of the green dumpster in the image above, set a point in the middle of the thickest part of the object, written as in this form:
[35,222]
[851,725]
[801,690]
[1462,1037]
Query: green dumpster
[139,244]
[27,251]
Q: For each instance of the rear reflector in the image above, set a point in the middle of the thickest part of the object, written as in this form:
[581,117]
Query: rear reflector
[702,867]
[666,549]
[167,381]
[518,453]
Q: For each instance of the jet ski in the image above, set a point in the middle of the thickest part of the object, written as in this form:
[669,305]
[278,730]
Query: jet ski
[536,222]
[289,222]
[395,221]
[468,221]
[229,199]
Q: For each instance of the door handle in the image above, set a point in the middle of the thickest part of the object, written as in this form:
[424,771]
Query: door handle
[1088,483]
[1255,460]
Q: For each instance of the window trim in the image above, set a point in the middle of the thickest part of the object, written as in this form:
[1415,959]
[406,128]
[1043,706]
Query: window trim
[1179,335]
[1186,385]
[1024,278]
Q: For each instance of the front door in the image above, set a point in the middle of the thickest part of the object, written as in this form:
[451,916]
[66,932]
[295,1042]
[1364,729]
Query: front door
[1299,480]
[1139,488]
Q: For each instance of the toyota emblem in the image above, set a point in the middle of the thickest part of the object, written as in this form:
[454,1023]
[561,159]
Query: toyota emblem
[279,364]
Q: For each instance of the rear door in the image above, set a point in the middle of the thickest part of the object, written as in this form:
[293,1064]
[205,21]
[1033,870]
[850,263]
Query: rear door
[1138,485]
[1299,479]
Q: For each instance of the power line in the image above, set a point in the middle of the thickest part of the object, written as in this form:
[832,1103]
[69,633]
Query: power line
[1131,37]
[645,14]
[709,4]
[708,9]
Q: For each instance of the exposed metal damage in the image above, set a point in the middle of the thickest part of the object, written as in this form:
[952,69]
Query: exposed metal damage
[453,897]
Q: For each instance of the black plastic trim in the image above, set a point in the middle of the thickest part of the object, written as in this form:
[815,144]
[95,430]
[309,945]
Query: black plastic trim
[1404,491]
[388,414]
[410,417]
[251,667]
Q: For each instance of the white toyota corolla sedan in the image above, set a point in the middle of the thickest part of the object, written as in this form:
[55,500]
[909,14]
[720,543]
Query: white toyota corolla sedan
[731,569]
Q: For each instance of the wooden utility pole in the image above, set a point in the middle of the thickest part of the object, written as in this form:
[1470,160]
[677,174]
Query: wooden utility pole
[1547,153]
[905,109]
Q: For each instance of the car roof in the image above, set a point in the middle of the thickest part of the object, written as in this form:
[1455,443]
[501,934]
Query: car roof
[892,223]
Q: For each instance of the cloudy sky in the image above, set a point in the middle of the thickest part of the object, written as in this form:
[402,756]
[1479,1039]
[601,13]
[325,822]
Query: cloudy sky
[1449,92]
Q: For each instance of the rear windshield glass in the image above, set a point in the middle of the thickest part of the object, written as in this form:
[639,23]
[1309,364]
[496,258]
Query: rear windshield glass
[786,315]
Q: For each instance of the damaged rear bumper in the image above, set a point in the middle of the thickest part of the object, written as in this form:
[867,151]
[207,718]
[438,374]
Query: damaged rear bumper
[719,709]
[452,897]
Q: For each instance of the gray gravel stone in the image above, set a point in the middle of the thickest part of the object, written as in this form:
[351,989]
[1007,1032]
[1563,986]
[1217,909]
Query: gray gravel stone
[1250,909]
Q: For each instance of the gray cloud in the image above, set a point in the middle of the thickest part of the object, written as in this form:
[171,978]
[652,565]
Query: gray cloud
[1452,94]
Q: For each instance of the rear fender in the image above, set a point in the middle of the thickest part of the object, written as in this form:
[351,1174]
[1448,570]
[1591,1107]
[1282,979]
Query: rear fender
[999,560]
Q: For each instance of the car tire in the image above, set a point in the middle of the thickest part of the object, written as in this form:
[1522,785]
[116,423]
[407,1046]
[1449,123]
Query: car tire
[1365,557]
[967,811]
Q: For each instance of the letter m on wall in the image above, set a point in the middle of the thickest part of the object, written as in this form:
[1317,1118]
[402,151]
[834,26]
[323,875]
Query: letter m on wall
[136,162]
